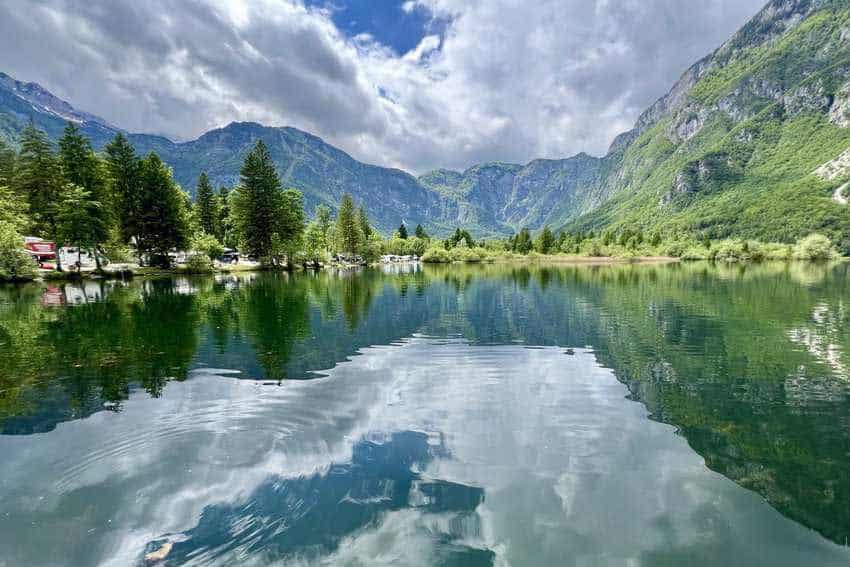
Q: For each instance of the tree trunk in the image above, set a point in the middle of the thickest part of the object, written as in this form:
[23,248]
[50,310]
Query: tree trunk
[58,249]
[97,260]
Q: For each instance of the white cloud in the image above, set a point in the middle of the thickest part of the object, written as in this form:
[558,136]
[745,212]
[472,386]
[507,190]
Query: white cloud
[509,81]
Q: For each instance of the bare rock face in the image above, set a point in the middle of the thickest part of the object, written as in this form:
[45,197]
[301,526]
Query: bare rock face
[806,98]
[700,176]
[836,168]
[839,112]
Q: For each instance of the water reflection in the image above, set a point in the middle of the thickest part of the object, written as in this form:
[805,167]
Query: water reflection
[750,364]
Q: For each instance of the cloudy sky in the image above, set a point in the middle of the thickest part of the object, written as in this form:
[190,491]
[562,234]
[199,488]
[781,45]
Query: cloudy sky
[415,84]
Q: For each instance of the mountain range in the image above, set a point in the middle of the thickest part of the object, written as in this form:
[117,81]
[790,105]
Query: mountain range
[752,141]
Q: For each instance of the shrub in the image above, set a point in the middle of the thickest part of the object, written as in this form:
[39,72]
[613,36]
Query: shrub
[814,247]
[694,254]
[208,245]
[436,255]
[198,264]
[15,263]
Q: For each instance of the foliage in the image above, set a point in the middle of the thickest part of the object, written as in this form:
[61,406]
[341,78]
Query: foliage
[349,231]
[208,245]
[402,231]
[545,241]
[420,232]
[197,264]
[15,263]
[83,221]
[206,206]
[257,203]
[814,247]
[124,185]
[161,225]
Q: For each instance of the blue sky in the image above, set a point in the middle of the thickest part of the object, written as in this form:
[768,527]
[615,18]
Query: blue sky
[414,84]
[398,24]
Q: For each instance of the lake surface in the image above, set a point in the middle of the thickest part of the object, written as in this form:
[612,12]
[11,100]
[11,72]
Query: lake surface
[464,416]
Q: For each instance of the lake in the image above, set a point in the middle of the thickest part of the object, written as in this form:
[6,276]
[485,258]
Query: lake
[682,414]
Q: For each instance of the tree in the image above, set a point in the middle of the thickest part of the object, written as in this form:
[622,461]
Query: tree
[224,228]
[13,209]
[208,245]
[206,206]
[15,263]
[545,242]
[420,232]
[124,177]
[522,242]
[7,164]
[83,221]
[315,244]
[402,231]
[39,179]
[349,233]
[162,223]
[324,223]
[289,228]
[257,202]
[363,220]
[88,224]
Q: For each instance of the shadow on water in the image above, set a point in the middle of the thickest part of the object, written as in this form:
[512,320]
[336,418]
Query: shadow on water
[750,363]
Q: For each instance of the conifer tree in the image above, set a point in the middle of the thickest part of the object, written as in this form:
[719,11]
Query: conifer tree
[420,232]
[545,241]
[162,223]
[363,220]
[257,202]
[402,231]
[39,179]
[123,167]
[83,221]
[224,230]
[206,205]
[348,230]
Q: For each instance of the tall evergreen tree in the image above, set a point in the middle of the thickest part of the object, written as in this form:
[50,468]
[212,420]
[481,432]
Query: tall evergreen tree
[324,223]
[420,232]
[83,170]
[125,192]
[224,230]
[289,229]
[206,205]
[363,221]
[39,179]
[83,220]
[546,241]
[402,231]
[348,231]
[7,164]
[523,242]
[257,202]
[162,222]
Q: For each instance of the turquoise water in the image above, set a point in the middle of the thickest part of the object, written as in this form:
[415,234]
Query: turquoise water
[495,415]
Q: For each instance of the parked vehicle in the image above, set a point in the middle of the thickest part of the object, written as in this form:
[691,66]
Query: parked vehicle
[42,252]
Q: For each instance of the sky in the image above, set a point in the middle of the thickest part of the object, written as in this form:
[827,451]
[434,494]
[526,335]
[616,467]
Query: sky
[414,84]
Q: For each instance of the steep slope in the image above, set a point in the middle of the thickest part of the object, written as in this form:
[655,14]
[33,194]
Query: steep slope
[734,147]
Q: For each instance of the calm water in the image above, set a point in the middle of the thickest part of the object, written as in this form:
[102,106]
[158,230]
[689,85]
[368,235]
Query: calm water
[632,415]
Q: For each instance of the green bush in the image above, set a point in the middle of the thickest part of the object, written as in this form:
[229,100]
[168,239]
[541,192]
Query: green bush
[208,245]
[198,264]
[436,255]
[15,263]
[814,247]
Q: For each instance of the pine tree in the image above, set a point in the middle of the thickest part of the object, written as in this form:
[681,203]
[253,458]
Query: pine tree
[324,222]
[545,241]
[85,174]
[348,230]
[257,202]
[522,243]
[420,232]
[123,167]
[289,229]
[39,179]
[363,220]
[83,220]
[402,231]
[206,205]
[162,223]
[224,228]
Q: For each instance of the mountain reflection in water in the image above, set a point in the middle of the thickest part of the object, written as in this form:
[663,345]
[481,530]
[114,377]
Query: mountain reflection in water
[443,439]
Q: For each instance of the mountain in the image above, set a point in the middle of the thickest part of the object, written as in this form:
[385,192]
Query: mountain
[752,141]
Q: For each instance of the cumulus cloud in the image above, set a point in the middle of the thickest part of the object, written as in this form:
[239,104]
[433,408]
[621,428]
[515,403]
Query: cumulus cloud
[507,80]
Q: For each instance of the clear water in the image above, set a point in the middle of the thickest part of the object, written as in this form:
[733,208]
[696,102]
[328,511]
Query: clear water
[493,415]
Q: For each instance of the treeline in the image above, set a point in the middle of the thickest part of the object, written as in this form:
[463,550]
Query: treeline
[627,243]
[124,206]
